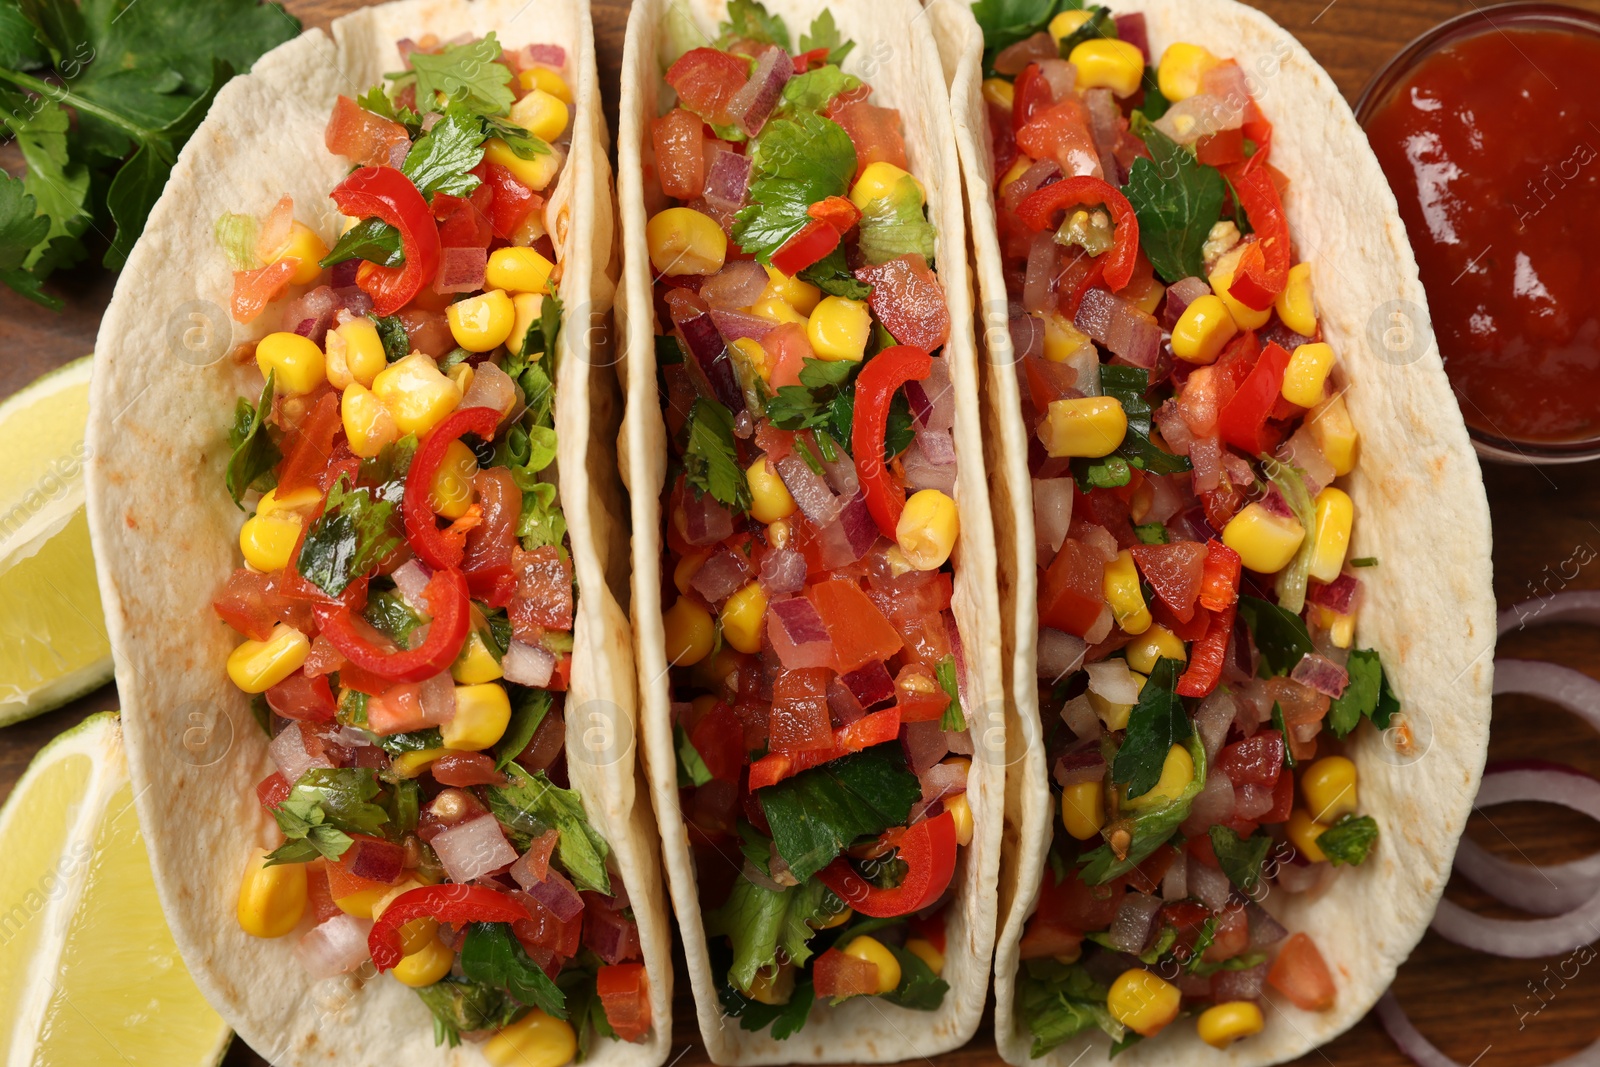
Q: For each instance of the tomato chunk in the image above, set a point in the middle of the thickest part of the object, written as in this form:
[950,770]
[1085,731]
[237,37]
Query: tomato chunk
[838,976]
[799,720]
[907,299]
[1257,760]
[1072,594]
[679,142]
[706,80]
[859,631]
[1174,571]
[624,991]
[875,132]
[1301,974]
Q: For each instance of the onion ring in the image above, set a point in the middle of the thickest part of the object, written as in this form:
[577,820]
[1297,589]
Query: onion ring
[1569,689]
[1540,890]
[1573,605]
[1422,1052]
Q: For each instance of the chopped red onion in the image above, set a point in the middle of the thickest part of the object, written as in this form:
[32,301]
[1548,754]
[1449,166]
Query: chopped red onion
[1112,681]
[1052,513]
[1060,75]
[534,864]
[721,576]
[1100,629]
[843,704]
[692,317]
[1340,595]
[1105,120]
[557,893]
[1131,928]
[752,104]
[369,857]
[1080,717]
[940,396]
[1059,654]
[1251,801]
[1180,294]
[410,579]
[288,752]
[1035,49]
[841,474]
[344,274]
[1206,455]
[611,935]
[1321,674]
[312,313]
[736,325]
[491,388]
[1227,986]
[797,634]
[1213,719]
[469,850]
[942,780]
[461,269]
[544,55]
[337,946]
[526,664]
[1209,885]
[1027,335]
[809,490]
[1038,285]
[727,179]
[1034,178]
[705,520]
[1201,115]
[959,741]
[1120,326]
[860,528]
[1131,28]
[930,462]
[1084,764]
[1213,804]
[871,685]
[438,698]
[1265,931]
[924,744]
[783,570]
[737,285]
[1175,883]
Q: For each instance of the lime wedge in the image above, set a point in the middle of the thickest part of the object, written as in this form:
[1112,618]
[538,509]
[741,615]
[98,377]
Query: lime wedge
[53,645]
[89,973]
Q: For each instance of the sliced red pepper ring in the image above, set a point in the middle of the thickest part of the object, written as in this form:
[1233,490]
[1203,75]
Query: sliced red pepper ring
[1038,210]
[1263,268]
[876,385]
[448,903]
[929,851]
[435,547]
[446,594]
[386,193]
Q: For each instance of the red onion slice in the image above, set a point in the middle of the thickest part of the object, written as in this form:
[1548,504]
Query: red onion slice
[1575,605]
[1131,928]
[752,104]
[473,848]
[736,325]
[737,285]
[1422,1052]
[461,270]
[528,664]
[727,180]
[724,574]
[1180,294]
[809,490]
[783,570]
[1120,326]
[797,634]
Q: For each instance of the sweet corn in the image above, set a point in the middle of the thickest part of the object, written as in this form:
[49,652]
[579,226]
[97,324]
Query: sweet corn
[774,988]
[1329,786]
[461,374]
[1156,643]
[799,295]
[873,951]
[368,426]
[1083,809]
[1066,24]
[535,173]
[689,632]
[268,541]
[482,714]
[749,355]
[518,270]
[415,933]
[548,80]
[1246,318]
[362,902]
[542,114]
[1000,93]
[1306,376]
[1222,1024]
[1121,585]
[271,899]
[256,666]
[1062,340]
[839,327]
[300,502]
[535,1040]
[1019,167]
[450,495]
[1178,76]
[476,664]
[742,617]
[411,764]
[1115,716]
[1303,831]
[1107,63]
[687,567]
[1295,304]
[927,952]
[834,921]
[417,394]
[355,353]
[960,814]
[1335,514]
[1177,771]
[482,323]
[1202,330]
[1143,1002]
[1334,433]
[1265,542]
[927,530]
[305,247]
[878,180]
[1089,426]
[770,499]
[684,241]
[297,365]
[426,966]
[777,310]
[527,308]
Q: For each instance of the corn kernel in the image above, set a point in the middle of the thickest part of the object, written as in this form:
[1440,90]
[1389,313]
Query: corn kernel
[271,899]
[482,714]
[837,919]
[1107,63]
[426,966]
[1019,167]
[1143,1002]
[476,664]
[535,173]
[355,353]
[300,502]
[1222,1024]
[462,374]
[542,114]
[687,567]
[1000,93]
[256,666]
[770,498]
[878,180]
[1121,585]
[1265,542]
[1083,809]
[748,355]
[450,495]
[419,927]
[774,988]
[362,901]
[296,363]
[682,241]
[305,247]
[873,951]
[268,541]
[1295,305]
[535,1040]
[960,814]
[1246,318]
[1306,376]
[742,618]
[1329,786]
[1062,340]
[839,328]
[417,394]
[1335,515]
[482,323]
[1334,433]
[411,764]
[776,310]
[1177,771]
[548,80]
[1342,630]
[1178,76]
[926,951]
[689,632]
[1303,831]
[528,308]
[1066,24]
[1202,330]
[1089,426]
[1156,643]
[927,530]
[368,426]
[799,295]
[518,270]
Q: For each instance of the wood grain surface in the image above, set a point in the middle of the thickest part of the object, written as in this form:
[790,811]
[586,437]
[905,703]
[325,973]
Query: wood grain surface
[1547,537]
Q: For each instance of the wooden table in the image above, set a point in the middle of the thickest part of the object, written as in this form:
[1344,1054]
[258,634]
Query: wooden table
[1547,520]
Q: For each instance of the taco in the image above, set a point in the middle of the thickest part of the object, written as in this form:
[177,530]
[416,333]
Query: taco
[1237,517]
[814,598]
[353,494]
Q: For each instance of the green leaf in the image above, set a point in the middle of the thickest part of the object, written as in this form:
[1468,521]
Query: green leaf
[372,240]
[390,615]
[57,23]
[20,46]
[1360,697]
[955,718]
[1129,385]
[832,275]
[538,341]
[1280,635]
[21,227]
[1100,25]
[460,1004]
[817,813]
[1059,1001]
[711,458]
[324,807]
[528,710]
[812,90]
[254,455]
[468,75]
[825,34]
[749,20]
[1156,723]
[396,342]
[523,144]
[896,225]
[59,187]
[1151,827]
[798,160]
[766,925]
[1155,101]
[1364,561]
[377,101]
[1240,857]
[1349,841]
[439,160]
[531,804]
[491,956]
[1291,583]
[1283,730]
[1151,533]
[542,522]
[919,989]
[414,741]
[186,36]
[354,532]
[1177,200]
[692,769]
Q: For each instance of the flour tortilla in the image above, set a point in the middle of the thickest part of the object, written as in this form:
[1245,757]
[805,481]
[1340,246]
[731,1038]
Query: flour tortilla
[896,54]
[166,532]
[1421,511]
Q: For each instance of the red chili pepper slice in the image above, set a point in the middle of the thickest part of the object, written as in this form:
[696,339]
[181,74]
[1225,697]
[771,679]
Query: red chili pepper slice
[1263,269]
[1031,94]
[1219,580]
[837,212]
[438,548]
[1207,655]
[387,194]
[448,903]
[446,594]
[1242,421]
[1038,212]
[875,388]
[929,852]
[815,240]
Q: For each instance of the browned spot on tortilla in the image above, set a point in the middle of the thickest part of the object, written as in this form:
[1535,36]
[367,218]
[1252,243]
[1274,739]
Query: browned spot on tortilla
[128,518]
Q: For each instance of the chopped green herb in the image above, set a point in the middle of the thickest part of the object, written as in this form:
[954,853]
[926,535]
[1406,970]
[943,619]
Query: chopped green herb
[370,239]
[1240,857]
[530,804]
[254,454]
[348,539]
[1156,723]
[1059,1001]
[797,160]
[528,709]
[1364,561]
[490,955]
[825,34]
[1177,200]
[324,807]
[692,769]
[1129,385]
[1280,635]
[469,75]
[711,459]
[1349,841]
[749,20]
[816,813]
[1100,24]
[396,342]
[955,718]
[441,160]
[460,1004]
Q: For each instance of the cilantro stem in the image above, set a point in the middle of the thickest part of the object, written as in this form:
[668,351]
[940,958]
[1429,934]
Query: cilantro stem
[62,95]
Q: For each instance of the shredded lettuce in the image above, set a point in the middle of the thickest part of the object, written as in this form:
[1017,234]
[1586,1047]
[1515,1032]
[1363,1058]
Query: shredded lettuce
[895,225]
[1291,482]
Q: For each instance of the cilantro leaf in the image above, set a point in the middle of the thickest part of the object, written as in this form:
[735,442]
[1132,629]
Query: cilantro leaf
[833,276]
[531,804]
[370,239]
[354,532]
[491,956]
[377,101]
[764,924]
[896,225]
[817,813]
[254,455]
[461,1004]
[711,459]
[1129,385]
[749,20]
[523,144]
[799,159]
[919,989]
[396,342]
[1059,1001]
[1177,200]
[528,709]
[825,34]
[1361,695]
[1150,828]
[954,717]
[692,769]
[786,1020]
[469,75]
[441,159]
[812,90]
[1280,635]
[1156,723]
[324,807]
[59,186]
[1005,22]
[390,616]
[1099,25]
[1240,857]
[1349,841]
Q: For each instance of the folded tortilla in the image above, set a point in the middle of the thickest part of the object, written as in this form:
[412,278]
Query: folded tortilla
[896,54]
[1428,608]
[166,531]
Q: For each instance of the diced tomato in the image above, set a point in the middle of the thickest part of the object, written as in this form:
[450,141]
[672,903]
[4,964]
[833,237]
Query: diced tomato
[272,790]
[512,200]
[311,446]
[1087,907]
[1146,878]
[875,132]
[1174,571]
[918,697]
[342,883]
[719,738]
[1072,594]
[815,240]
[1219,582]
[1193,630]
[1046,937]
[1222,504]
[463,769]
[837,976]
[544,590]
[837,212]
[1301,974]
[1282,800]
[398,710]
[541,933]
[624,991]
[354,677]
[788,348]
[1079,273]
[859,631]
[1030,95]
[706,80]
[799,721]
[1186,917]
[1061,132]
[561,677]
[464,221]
[301,697]
[1220,148]
[1207,655]
[1242,422]
[1048,382]
[907,298]
[253,290]
[365,139]
[252,604]
[679,142]
[318,899]
[1257,760]
[1231,937]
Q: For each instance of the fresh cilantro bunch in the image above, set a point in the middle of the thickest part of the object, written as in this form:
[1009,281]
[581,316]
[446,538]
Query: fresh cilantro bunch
[100,96]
